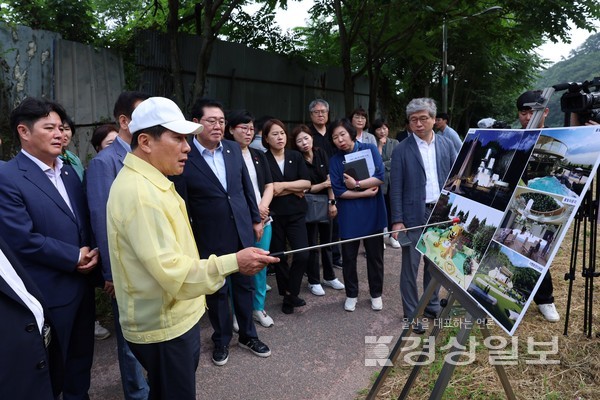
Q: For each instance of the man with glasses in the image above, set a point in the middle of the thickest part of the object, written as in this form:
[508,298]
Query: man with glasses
[420,166]
[220,199]
[319,117]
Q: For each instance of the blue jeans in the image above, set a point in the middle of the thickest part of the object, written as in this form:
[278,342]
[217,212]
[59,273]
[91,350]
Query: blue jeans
[134,383]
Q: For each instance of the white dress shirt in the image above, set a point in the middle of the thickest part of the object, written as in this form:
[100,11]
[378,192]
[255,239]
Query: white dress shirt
[427,150]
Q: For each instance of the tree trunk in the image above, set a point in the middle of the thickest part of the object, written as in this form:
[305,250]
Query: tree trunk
[173,28]
[345,47]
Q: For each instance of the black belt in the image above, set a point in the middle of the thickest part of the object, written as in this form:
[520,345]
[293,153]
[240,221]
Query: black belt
[46,335]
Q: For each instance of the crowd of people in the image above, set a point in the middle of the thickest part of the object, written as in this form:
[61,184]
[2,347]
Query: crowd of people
[176,215]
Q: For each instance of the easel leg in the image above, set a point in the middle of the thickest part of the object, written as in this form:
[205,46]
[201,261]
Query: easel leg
[499,368]
[433,285]
[434,334]
[448,368]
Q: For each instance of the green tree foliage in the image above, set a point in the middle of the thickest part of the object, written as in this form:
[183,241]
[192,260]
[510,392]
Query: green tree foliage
[474,225]
[524,279]
[260,31]
[493,55]
[482,238]
[582,65]
[395,43]
[75,20]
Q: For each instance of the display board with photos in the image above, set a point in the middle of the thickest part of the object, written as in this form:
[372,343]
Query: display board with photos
[515,193]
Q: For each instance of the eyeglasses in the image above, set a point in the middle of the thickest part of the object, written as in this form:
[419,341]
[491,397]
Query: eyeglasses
[245,128]
[214,121]
[319,112]
[356,116]
[423,119]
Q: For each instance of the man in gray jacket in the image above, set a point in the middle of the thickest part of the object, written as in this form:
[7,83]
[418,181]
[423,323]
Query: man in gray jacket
[420,166]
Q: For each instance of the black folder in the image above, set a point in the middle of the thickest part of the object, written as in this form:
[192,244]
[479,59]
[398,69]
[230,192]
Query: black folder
[357,169]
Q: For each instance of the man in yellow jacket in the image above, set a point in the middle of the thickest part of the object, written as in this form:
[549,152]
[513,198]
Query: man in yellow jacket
[160,280]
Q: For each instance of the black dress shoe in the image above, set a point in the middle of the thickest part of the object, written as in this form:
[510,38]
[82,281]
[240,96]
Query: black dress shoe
[255,346]
[220,355]
[418,329]
[429,315]
[287,308]
[294,301]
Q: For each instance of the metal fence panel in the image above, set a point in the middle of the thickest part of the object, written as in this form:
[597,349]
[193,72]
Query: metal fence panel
[242,77]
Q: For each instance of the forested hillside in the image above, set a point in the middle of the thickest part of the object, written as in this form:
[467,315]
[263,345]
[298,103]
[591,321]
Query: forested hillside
[583,64]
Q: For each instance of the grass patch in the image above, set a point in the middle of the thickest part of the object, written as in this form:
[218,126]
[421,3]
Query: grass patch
[576,376]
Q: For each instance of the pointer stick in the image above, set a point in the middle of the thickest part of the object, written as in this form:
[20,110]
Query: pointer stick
[318,246]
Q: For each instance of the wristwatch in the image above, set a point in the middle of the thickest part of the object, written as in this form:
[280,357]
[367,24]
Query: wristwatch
[332,202]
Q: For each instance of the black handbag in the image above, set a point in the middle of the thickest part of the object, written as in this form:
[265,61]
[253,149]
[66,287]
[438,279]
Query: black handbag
[318,208]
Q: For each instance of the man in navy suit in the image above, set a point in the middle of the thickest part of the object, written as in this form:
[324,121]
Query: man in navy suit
[101,173]
[44,219]
[32,361]
[420,166]
[222,207]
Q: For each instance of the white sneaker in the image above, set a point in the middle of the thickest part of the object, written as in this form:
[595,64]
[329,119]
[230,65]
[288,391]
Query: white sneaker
[317,289]
[262,318]
[268,287]
[236,326]
[376,303]
[335,284]
[549,312]
[350,304]
[100,332]
[393,242]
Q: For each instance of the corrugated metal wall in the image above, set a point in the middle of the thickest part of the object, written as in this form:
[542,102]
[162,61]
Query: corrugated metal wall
[241,77]
[84,79]
[88,81]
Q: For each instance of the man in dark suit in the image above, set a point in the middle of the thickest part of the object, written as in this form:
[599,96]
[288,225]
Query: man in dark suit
[420,166]
[101,173]
[32,360]
[222,206]
[44,218]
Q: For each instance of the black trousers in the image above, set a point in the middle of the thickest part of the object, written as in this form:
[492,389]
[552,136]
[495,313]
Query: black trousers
[171,365]
[544,295]
[374,249]
[319,233]
[74,330]
[336,253]
[292,229]
[219,309]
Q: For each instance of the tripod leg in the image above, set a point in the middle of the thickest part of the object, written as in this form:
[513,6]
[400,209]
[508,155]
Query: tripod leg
[570,276]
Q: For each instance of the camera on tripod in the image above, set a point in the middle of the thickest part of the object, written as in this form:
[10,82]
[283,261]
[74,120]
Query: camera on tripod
[581,100]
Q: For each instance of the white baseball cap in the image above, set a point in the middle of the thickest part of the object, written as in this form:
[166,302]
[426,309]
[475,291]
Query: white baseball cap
[164,112]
